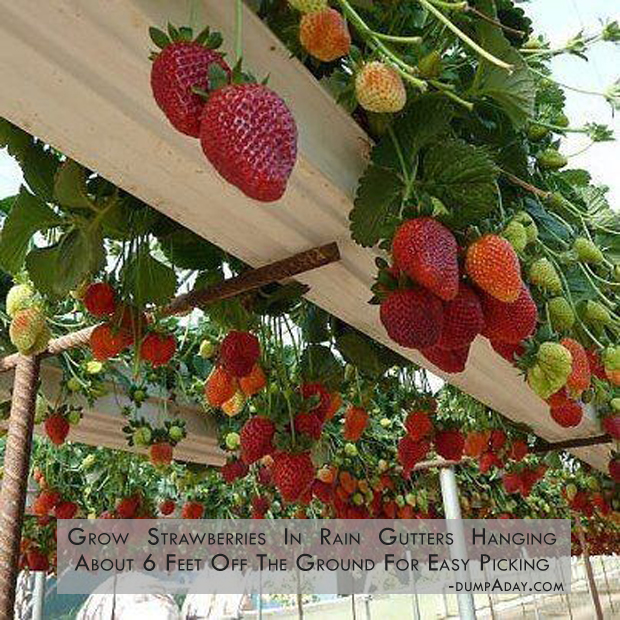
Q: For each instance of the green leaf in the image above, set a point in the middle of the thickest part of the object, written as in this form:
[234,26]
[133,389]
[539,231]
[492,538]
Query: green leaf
[218,78]
[187,250]
[15,139]
[159,37]
[464,178]
[148,280]
[39,166]
[28,215]
[6,204]
[278,299]
[70,187]
[362,352]
[378,196]
[315,324]
[319,364]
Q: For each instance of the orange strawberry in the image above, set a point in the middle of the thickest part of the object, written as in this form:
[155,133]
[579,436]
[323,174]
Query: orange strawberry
[418,425]
[220,387]
[493,265]
[160,453]
[254,382]
[355,423]
[579,378]
[477,443]
[379,88]
[324,35]
[335,403]
[234,405]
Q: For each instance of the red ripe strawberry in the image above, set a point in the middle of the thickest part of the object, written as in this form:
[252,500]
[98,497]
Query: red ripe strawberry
[579,378]
[158,349]
[233,470]
[512,482]
[57,428]
[411,452]
[250,137]
[131,322]
[510,322]
[160,453]
[48,500]
[559,399]
[100,299]
[220,387]
[596,365]
[192,510]
[308,423]
[37,561]
[489,460]
[493,265]
[476,443]
[260,504]
[611,425]
[355,423]
[614,469]
[264,476]
[508,351]
[256,439]
[600,503]
[322,491]
[167,507]
[292,474]
[497,440]
[450,444]
[66,510]
[413,318]
[463,319]
[324,35]
[450,361]
[311,391]
[107,342]
[427,252]
[418,425]
[518,450]
[127,507]
[177,69]
[567,415]
[239,352]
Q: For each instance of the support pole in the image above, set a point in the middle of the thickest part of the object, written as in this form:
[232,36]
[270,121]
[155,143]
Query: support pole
[15,480]
[38,595]
[589,572]
[452,509]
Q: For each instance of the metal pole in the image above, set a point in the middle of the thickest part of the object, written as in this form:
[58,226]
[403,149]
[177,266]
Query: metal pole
[611,602]
[353,614]
[15,480]
[38,595]
[415,603]
[589,572]
[452,509]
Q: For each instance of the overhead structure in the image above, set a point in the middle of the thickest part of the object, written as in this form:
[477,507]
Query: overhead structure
[77,76]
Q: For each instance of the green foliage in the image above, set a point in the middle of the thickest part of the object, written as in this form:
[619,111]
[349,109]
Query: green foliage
[148,280]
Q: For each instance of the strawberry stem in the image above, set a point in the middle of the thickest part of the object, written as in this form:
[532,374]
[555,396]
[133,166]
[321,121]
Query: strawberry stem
[238,29]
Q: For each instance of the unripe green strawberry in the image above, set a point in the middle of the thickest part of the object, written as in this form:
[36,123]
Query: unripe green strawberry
[615,404]
[350,449]
[596,314]
[93,367]
[207,349]
[41,342]
[19,297]
[561,120]
[561,314]
[232,441]
[176,433]
[430,65]
[142,436]
[308,6]
[551,159]
[74,384]
[74,417]
[385,422]
[523,217]
[551,370]
[379,88]
[516,235]
[88,461]
[537,132]
[611,358]
[26,327]
[587,251]
[544,275]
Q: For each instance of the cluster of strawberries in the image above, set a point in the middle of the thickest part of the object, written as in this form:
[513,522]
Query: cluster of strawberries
[246,130]
[124,326]
[523,479]
[491,449]
[586,501]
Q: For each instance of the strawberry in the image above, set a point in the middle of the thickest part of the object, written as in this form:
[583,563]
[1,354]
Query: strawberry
[463,319]
[160,453]
[308,423]
[254,382]
[106,341]
[611,425]
[335,402]
[127,507]
[596,364]
[561,314]
[587,251]
[543,274]
[239,352]
[56,428]
[450,444]
[26,329]
[167,507]
[324,35]
[308,6]
[48,499]
[234,469]
[181,66]
[551,369]
[489,460]
[614,469]
[355,423]
[497,440]
[66,510]
[260,506]
[518,450]
[19,297]
[158,349]
[568,414]
[508,351]
[192,510]
[379,88]
[451,361]
[256,439]
[131,322]
[411,452]
[413,318]
[250,137]
[37,561]
[322,491]
[512,482]
[579,378]
[493,265]
[426,251]
[219,387]
[100,299]
[292,474]
[558,399]
[476,443]
[510,322]
[314,390]
[418,425]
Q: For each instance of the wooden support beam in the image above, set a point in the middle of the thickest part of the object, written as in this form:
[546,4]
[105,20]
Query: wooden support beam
[583,442]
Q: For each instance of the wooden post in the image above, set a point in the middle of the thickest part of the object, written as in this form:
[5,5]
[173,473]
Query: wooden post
[589,572]
[15,480]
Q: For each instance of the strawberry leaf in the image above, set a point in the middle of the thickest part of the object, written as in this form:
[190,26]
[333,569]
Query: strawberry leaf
[319,364]
[70,187]
[159,37]
[149,280]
